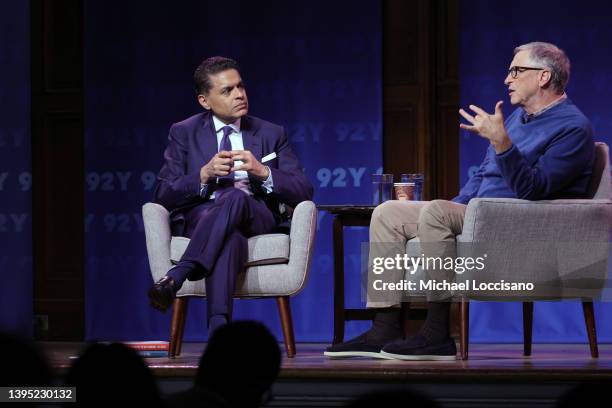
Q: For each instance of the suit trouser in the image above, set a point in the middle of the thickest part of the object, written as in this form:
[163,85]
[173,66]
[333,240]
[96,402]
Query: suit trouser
[218,233]
[435,223]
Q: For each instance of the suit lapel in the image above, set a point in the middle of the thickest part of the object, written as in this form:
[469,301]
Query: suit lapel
[207,137]
[250,138]
[252,142]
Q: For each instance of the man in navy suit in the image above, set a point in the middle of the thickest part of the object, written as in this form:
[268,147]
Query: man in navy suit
[225,178]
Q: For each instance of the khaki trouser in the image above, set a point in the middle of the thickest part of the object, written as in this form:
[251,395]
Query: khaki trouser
[435,223]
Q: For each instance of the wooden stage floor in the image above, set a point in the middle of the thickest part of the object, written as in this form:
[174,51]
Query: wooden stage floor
[571,361]
[495,374]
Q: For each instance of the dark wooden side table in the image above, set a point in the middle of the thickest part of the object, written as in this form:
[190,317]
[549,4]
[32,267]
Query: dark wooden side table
[345,216]
[351,215]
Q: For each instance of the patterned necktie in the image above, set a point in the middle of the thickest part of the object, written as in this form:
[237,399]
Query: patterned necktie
[226,144]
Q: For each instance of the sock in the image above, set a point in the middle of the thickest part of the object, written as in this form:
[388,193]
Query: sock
[181,272]
[215,322]
[386,326]
[436,327]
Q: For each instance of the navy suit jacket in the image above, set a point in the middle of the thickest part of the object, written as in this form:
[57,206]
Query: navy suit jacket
[193,142]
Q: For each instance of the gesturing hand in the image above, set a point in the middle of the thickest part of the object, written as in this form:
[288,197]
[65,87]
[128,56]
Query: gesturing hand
[219,166]
[249,164]
[488,126]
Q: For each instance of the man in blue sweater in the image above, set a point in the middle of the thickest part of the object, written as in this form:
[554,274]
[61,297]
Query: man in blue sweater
[543,150]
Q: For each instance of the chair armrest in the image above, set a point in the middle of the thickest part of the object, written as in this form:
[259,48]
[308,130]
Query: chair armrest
[301,237]
[156,221]
[562,246]
[510,219]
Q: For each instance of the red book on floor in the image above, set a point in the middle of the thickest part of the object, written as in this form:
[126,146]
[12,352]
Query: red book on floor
[148,345]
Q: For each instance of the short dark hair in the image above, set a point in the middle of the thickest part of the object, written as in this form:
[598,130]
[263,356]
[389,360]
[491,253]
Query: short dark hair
[211,66]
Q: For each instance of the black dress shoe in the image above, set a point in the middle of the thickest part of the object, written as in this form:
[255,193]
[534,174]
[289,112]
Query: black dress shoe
[162,293]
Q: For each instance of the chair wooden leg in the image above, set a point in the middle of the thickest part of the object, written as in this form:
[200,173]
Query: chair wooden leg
[527,327]
[589,319]
[177,326]
[464,336]
[284,309]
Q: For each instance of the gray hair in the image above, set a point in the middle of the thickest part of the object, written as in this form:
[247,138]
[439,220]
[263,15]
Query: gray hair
[553,58]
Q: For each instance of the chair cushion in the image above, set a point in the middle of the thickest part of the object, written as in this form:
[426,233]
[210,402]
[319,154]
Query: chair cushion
[268,249]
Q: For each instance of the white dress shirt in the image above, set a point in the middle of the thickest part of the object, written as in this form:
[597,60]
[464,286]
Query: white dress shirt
[241,177]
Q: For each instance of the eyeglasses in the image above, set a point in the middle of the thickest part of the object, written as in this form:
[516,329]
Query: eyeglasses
[514,71]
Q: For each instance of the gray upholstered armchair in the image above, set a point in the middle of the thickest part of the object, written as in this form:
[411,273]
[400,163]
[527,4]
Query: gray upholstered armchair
[277,266]
[562,246]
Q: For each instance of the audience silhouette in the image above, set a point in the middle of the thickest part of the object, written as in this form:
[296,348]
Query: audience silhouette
[237,369]
[393,398]
[109,374]
[23,364]
[589,394]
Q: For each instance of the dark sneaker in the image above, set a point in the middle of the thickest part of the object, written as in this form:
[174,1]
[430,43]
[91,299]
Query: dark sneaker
[418,348]
[357,347]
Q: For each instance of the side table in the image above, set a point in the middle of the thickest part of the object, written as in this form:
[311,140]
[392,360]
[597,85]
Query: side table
[354,215]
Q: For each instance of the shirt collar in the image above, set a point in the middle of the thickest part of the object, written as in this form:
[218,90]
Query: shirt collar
[220,125]
[554,103]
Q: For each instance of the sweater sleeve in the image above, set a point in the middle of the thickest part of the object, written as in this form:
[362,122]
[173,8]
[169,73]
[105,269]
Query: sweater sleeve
[563,160]
[470,189]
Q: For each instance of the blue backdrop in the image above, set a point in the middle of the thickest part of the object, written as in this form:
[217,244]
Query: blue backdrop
[15,169]
[489,32]
[314,67]
[305,68]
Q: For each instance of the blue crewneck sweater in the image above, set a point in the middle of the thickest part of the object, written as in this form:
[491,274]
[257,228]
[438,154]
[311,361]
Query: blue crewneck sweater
[551,157]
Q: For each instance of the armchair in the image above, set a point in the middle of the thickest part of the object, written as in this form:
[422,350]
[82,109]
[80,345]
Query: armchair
[277,266]
[562,246]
